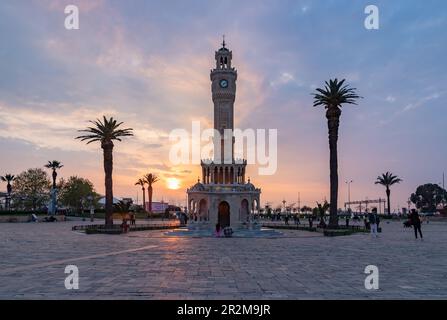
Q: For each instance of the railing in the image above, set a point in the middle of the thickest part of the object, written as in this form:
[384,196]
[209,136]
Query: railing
[135,227]
[306,226]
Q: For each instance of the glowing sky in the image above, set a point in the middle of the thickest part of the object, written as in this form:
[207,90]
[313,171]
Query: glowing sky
[147,63]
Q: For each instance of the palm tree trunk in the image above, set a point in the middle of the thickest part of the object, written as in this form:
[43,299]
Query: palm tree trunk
[53,193]
[333,116]
[54,178]
[108,168]
[388,193]
[8,198]
[149,193]
[144,199]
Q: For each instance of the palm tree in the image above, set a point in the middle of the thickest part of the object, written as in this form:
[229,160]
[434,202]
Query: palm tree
[8,178]
[150,179]
[105,131]
[321,210]
[387,180]
[332,97]
[54,165]
[142,183]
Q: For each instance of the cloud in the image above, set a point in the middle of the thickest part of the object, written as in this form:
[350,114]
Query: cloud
[147,63]
[284,78]
[390,99]
[421,102]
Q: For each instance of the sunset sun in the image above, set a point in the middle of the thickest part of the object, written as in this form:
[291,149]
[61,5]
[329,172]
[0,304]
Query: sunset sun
[173,183]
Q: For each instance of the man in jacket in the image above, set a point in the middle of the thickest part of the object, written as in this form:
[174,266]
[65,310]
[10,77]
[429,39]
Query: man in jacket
[373,219]
[416,222]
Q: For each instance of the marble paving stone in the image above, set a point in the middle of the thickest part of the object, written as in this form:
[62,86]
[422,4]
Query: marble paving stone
[300,265]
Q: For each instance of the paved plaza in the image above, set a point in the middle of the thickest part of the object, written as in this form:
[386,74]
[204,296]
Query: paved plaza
[150,265]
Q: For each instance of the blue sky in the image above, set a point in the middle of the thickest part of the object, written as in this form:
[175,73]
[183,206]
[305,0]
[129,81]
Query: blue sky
[147,63]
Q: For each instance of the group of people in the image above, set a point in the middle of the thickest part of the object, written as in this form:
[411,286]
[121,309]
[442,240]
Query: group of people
[124,225]
[413,219]
[183,217]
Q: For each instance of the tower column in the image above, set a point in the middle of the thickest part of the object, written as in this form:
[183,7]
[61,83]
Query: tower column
[234,175]
[209,175]
[226,175]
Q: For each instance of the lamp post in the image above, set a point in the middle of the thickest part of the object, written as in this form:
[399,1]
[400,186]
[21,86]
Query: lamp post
[349,192]
[92,208]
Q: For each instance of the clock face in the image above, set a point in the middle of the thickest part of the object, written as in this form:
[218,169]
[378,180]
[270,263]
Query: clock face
[223,83]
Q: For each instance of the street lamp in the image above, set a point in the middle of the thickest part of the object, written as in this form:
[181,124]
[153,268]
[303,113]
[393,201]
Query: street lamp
[349,192]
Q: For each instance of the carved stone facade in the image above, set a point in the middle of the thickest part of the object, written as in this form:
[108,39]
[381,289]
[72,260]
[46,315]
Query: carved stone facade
[223,196]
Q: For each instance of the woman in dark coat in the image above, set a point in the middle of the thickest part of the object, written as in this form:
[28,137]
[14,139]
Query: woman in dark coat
[416,222]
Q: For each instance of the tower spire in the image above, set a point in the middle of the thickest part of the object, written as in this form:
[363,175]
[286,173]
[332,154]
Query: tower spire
[223,41]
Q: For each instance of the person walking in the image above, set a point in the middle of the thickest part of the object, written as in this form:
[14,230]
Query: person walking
[416,222]
[372,218]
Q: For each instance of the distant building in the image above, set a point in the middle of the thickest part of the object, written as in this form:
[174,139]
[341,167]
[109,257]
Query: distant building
[102,201]
[127,200]
[157,207]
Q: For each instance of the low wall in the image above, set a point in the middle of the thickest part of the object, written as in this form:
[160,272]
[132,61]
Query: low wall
[14,218]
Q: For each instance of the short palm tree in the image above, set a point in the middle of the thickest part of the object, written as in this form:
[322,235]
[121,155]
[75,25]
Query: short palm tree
[332,97]
[8,178]
[142,183]
[106,131]
[54,165]
[150,179]
[387,180]
[321,210]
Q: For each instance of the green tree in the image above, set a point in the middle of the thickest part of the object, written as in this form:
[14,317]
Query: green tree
[31,189]
[8,178]
[77,193]
[332,97]
[428,196]
[54,166]
[106,131]
[387,180]
[150,179]
[123,206]
[305,209]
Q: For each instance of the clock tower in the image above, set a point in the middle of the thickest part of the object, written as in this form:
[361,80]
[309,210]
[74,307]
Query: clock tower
[223,88]
[223,195]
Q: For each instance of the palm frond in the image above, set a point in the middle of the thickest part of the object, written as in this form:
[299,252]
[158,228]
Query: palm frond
[334,94]
[151,178]
[388,179]
[104,130]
